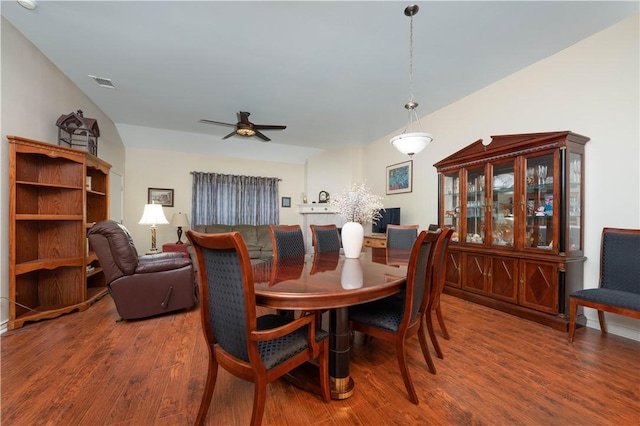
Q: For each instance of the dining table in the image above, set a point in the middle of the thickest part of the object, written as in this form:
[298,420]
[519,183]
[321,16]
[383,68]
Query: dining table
[329,281]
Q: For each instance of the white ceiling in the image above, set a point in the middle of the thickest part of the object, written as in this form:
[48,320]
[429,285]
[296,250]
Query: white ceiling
[336,73]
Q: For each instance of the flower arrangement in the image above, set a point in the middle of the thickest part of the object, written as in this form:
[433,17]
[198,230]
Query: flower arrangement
[358,204]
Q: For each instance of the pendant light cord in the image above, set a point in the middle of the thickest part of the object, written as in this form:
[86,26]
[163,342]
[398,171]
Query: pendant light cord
[411,60]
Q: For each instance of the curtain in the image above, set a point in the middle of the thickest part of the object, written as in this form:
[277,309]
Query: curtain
[234,200]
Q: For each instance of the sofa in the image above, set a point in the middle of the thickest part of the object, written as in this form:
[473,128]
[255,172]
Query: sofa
[256,237]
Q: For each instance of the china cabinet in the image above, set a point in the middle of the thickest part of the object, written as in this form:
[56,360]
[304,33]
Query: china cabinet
[55,195]
[516,207]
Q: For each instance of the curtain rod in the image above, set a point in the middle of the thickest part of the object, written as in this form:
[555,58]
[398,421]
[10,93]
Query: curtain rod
[261,177]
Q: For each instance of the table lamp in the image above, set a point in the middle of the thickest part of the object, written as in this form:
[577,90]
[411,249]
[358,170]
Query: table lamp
[153,215]
[180,220]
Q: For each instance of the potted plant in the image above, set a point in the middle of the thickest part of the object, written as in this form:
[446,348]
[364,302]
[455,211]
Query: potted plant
[358,206]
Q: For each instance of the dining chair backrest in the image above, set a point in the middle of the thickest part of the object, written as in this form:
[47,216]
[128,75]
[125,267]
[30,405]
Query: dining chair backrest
[325,238]
[419,272]
[401,236]
[227,291]
[287,241]
[439,265]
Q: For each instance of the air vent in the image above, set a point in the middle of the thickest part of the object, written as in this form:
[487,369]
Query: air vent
[103,82]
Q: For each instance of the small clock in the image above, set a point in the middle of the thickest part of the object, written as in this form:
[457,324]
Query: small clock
[323,197]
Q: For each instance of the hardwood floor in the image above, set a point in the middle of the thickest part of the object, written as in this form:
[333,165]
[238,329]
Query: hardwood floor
[85,369]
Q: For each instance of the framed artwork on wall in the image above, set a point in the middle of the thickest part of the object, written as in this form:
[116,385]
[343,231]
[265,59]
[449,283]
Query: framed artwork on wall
[286,201]
[400,178]
[162,196]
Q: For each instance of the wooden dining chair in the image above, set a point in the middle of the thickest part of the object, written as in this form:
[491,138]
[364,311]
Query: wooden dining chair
[325,238]
[287,241]
[396,319]
[256,349]
[437,286]
[401,236]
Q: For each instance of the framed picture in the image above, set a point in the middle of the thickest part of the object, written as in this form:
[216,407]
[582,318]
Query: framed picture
[286,201]
[400,177]
[162,196]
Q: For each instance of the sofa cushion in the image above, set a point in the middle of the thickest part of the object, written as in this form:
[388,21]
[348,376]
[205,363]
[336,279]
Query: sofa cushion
[264,237]
[249,234]
[212,229]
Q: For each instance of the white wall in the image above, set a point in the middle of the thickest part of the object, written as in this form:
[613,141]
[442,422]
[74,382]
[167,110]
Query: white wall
[34,93]
[333,171]
[591,88]
[168,169]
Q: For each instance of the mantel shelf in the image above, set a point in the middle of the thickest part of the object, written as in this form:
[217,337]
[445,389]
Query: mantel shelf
[317,208]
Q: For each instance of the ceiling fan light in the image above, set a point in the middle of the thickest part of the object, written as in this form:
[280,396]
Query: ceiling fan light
[411,143]
[246,132]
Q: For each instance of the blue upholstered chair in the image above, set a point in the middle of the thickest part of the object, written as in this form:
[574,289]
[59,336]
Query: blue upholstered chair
[394,319]
[325,238]
[257,349]
[401,236]
[619,290]
[287,241]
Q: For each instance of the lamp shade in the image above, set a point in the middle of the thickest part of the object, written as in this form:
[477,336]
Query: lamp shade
[153,215]
[180,219]
[411,143]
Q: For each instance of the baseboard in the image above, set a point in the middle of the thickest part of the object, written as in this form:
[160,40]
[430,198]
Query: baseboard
[627,331]
[3,326]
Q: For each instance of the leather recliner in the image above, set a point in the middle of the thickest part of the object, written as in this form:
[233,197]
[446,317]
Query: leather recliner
[141,286]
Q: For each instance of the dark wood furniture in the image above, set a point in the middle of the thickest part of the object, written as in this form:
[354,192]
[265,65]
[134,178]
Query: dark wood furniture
[378,241]
[256,349]
[517,208]
[394,319]
[619,286]
[52,269]
[333,289]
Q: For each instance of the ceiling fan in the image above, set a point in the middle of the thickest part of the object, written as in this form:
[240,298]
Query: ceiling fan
[246,128]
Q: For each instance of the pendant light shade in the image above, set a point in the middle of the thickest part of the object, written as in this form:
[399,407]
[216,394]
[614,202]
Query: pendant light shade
[410,142]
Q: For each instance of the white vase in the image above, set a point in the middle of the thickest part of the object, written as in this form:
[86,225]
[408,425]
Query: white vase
[351,274]
[352,238]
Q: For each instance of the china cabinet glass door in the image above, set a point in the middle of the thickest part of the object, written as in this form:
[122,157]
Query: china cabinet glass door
[502,204]
[475,213]
[575,201]
[451,203]
[539,222]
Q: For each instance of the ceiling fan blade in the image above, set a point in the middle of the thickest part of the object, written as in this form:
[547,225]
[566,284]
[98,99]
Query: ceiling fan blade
[261,136]
[243,116]
[229,135]
[268,127]
[215,122]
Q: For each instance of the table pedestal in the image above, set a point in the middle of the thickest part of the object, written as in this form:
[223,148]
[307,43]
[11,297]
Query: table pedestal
[342,384]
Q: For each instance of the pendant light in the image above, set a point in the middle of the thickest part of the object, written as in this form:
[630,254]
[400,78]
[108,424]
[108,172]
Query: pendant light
[410,142]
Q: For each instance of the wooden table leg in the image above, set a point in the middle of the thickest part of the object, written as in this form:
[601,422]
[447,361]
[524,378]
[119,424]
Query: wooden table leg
[342,384]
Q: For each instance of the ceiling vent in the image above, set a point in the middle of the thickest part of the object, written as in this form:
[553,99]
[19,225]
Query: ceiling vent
[103,82]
